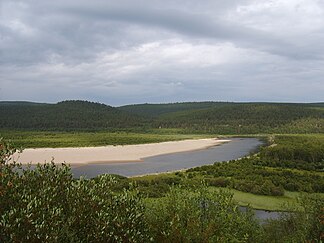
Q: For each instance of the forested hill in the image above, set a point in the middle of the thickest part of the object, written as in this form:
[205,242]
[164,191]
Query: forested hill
[235,118]
[66,115]
[200,117]
[155,110]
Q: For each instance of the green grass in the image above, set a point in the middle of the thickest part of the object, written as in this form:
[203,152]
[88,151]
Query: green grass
[41,139]
[272,203]
[268,203]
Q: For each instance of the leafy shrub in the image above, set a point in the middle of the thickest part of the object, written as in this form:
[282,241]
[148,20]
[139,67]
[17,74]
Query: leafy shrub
[218,182]
[199,215]
[46,204]
[303,224]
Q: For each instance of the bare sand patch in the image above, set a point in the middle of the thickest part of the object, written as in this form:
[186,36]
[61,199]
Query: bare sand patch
[112,154]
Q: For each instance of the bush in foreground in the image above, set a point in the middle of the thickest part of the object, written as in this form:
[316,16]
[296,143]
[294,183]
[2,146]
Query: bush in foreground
[199,215]
[47,205]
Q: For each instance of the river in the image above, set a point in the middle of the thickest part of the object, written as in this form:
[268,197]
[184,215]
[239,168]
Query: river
[236,148]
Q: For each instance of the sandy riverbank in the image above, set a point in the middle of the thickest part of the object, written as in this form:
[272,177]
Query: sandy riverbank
[112,154]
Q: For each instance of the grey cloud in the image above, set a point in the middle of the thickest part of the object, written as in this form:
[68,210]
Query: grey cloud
[73,27]
[192,24]
[196,25]
[138,51]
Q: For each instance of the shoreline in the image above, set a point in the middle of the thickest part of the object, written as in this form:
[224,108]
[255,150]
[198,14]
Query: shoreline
[112,154]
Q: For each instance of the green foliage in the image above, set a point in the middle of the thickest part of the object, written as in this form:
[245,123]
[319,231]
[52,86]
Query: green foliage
[6,151]
[198,215]
[305,224]
[156,186]
[46,204]
[65,116]
[42,139]
[234,118]
[156,110]
[243,175]
[249,118]
[300,152]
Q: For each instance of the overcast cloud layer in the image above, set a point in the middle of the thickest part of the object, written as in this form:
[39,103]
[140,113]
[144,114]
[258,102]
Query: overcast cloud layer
[128,51]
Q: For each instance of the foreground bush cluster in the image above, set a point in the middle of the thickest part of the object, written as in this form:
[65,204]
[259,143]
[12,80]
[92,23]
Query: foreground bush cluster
[45,204]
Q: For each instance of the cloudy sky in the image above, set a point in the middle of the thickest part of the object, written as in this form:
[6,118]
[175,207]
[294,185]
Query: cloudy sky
[136,51]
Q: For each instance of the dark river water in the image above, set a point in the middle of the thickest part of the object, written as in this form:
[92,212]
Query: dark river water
[236,148]
[263,215]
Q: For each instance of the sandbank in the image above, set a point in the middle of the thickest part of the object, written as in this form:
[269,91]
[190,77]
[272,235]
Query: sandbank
[111,154]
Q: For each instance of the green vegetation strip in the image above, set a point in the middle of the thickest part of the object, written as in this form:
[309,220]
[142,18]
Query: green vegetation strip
[42,139]
[271,203]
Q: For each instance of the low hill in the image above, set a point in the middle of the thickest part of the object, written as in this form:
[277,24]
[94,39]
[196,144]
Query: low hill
[190,117]
[236,118]
[155,110]
[66,115]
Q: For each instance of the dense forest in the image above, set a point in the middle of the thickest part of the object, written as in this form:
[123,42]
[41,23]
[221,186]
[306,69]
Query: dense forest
[64,116]
[235,118]
[191,117]
[156,110]
[248,119]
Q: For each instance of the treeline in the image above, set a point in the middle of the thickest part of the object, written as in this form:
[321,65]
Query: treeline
[47,205]
[248,119]
[156,110]
[299,152]
[65,116]
[191,117]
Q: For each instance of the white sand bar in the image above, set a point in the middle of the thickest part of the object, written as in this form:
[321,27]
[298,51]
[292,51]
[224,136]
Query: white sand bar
[112,154]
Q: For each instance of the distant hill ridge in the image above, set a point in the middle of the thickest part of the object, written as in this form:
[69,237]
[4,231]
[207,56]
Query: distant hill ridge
[200,117]
[65,115]
[159,109]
